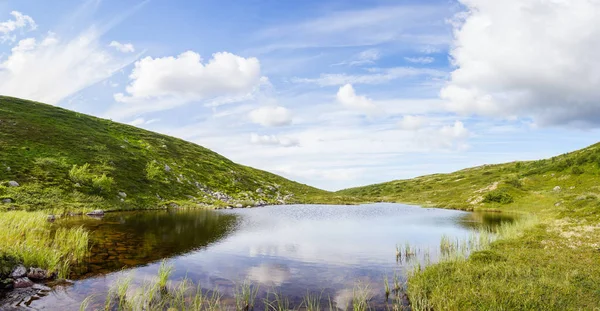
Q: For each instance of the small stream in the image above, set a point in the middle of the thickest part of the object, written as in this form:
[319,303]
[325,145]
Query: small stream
[292,249]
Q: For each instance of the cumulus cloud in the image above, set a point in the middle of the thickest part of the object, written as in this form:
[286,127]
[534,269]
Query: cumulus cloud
[348,97]
[527,58]
[186,76]
[19,21]
[122,47]
[450,137]
[271,116]
[273,140]
[412,123]
[420,60]
[52,69]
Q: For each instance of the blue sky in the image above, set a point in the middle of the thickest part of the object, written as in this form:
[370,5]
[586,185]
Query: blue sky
[330,93]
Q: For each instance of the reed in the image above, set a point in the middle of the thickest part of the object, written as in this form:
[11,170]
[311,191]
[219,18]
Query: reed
[312,302]
[244,295]
[361,295]
[278,303]
[164,273]
[29,237]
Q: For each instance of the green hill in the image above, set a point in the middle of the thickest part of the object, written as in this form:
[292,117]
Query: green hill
[65,160]
[543,185]
[546,261]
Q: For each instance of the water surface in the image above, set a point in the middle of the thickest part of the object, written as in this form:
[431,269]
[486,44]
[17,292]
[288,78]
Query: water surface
[320,248]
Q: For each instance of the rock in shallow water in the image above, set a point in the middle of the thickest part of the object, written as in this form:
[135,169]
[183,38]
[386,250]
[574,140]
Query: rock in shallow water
[97,212]
[19,271]
[22,282]
[37,274]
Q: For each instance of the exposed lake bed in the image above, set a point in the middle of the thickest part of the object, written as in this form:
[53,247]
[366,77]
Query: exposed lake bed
[294,249]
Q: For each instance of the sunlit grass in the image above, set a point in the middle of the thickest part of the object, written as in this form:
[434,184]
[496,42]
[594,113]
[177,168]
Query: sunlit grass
[38,243]
[245,295]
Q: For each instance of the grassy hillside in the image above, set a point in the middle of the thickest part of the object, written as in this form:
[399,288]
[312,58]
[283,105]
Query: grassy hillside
[527,186]
[70,161]
[549,264]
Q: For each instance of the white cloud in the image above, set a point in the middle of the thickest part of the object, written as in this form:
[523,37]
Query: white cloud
[412,123]
[20,21]
[363,58]
[52,69]
[142,121]
[271,116]
[528,58]
[376,76]
[447,137]
[420,60]
[122,47]
[186,78]
[347,97]
[273,140]
[412,24]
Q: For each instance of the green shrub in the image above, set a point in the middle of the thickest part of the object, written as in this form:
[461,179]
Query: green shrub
[515,182]
[81,174]
[102,183]
[498,197]
[154,171]
[576,170]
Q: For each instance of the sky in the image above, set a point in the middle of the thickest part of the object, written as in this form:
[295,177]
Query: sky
[334,93]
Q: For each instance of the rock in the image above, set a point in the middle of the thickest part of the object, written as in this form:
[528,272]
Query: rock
[97,212]
[229,207]
[173,205]
[167,168]
[37,274]
[557,204]
[556,189]
[22,283]
[77,185]
[13,183]
[51,218]
[18,271]
[259,190]
[41,287]
[6,201]
[122,194]
[239,205]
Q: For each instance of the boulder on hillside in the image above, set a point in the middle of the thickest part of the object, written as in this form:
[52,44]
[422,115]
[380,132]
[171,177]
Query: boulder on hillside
[13,183]
[122,194]
[556,189]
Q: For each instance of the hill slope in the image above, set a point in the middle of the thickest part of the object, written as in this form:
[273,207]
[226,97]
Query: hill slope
[526,186]
[546,261]
[67,160]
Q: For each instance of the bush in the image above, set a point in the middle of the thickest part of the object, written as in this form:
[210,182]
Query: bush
[154,171]
[576,170]
[102,183]
[515,182]
[81,174]
[498,197]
